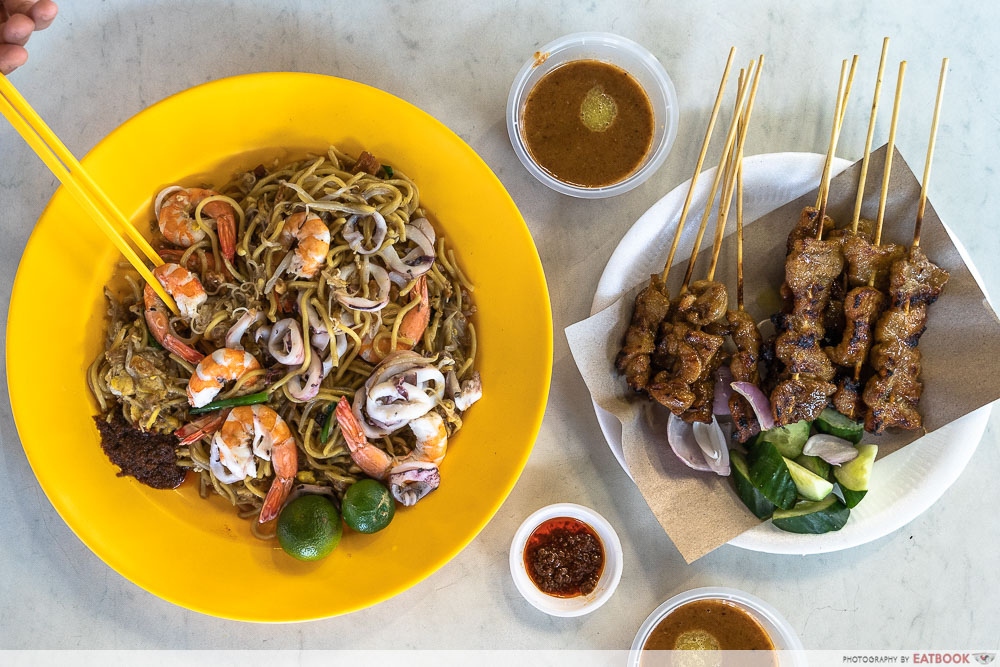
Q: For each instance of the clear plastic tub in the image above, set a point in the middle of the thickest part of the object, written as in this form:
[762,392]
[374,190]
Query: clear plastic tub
[619,51]
[782,634]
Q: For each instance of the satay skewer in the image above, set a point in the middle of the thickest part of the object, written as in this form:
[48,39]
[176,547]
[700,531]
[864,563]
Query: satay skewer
[859,199]
[828,165]
[698,165]
[893,392]
[719,173]
[743,119]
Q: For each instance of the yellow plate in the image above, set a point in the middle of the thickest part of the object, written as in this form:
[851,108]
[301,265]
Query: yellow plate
[198,554]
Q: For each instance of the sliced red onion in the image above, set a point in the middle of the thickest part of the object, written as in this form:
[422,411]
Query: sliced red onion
[304,387]
[354,302]
[758,401]
[285,343]
[830,448]
[356,239]
[680,436]
[164,193]
[720,402]
[412,481]
[712,442]
[235,333]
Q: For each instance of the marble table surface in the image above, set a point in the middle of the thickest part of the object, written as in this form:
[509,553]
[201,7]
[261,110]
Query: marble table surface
[931,584]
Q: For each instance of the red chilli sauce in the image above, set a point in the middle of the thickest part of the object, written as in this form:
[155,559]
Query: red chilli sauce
[564,557]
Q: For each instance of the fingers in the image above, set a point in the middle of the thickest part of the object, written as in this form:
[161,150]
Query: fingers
[18,6]
[43,13]
[17,30]
[11,57]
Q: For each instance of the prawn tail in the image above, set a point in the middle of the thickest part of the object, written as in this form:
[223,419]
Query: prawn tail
[275,499]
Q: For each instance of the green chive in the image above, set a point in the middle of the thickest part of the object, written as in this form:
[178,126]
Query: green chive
[249,399]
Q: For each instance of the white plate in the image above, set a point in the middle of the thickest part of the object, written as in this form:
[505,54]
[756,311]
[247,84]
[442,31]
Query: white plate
[904,484]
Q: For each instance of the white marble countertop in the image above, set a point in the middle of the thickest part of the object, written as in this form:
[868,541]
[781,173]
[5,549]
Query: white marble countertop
[932,584]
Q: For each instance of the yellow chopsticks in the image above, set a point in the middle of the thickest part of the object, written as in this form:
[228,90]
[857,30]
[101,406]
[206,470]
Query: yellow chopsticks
[74,177]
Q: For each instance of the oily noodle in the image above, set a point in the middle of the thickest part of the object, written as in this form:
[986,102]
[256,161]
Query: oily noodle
[146,384]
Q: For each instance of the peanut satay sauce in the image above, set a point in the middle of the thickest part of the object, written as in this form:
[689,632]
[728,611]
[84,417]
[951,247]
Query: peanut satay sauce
[564,557]
[709,625]
[588,123]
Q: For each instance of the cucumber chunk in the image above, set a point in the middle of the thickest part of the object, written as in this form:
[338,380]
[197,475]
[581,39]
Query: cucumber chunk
[832,422]
[751,496]
[813,517]
[815,465]
[810,485]
[855,475]
[788,439]
[769,474]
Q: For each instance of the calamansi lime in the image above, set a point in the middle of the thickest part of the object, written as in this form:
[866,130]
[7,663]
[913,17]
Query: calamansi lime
[309,528]
[368,506]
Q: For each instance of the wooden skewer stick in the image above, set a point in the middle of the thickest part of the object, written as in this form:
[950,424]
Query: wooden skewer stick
[930,154]
[868,139]
[739,220]
[824,185]
[698,165]
[730,137]
[727,194]
[828,165]
[887,170]
[729,174]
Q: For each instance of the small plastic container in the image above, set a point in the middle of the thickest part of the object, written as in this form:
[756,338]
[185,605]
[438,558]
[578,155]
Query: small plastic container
[619,51]
[581,604]
[782,634]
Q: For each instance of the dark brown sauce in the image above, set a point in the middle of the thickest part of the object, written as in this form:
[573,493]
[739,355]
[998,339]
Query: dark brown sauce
[708,625]
[562,143]
[564,557]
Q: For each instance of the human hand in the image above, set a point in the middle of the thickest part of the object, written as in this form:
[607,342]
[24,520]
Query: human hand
[18,19]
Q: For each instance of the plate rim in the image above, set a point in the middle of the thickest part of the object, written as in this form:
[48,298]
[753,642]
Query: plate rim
[756,539]
[535,420]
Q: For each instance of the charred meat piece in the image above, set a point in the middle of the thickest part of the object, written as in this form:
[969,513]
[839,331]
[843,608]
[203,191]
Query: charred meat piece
[703,303]
[865,260]
[866,230]
[896,325]
[847,398]
[834,319]
[797,399]
[802,354]
[652,305]
[861,308]
[806,227]
[916,280]
[892,402]
[745,366]
[671,393]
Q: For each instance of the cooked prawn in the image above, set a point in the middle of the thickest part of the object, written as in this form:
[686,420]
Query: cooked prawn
[159,326]
[183,286]
[311,238]
[175,208]
[410,477]
[215,370]
[411,327]
[262,431]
